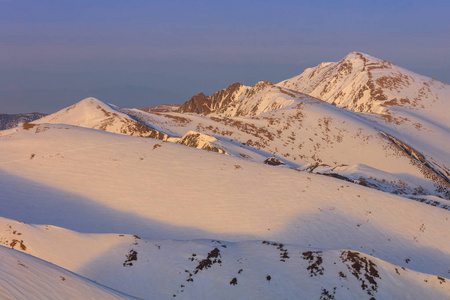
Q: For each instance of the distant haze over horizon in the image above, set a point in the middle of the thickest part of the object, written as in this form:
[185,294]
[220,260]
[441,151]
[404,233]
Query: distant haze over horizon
[147,53]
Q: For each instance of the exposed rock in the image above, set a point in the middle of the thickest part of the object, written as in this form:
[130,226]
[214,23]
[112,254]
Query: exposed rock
[200,141]
[273,161]
[203,105]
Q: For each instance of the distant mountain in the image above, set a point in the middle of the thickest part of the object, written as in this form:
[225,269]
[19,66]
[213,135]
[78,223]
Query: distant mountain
[8,121]
[408,109]
[203,105]
[238,100]
[363,83]
[162,108]
[92,113]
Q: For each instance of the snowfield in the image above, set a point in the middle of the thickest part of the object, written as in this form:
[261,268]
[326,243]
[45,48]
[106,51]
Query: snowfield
[96,182]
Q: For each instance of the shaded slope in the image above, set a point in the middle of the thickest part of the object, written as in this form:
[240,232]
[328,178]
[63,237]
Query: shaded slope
[25,277]
[204,269]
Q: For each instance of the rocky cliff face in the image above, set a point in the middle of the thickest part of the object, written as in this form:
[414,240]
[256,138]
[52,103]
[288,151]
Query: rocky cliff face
[203,105]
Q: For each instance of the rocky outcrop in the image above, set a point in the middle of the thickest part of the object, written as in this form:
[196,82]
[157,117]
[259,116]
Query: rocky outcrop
[200,141]
[203,105]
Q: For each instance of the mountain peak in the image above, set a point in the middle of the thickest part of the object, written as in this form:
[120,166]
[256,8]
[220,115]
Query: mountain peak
[364,83]
[203,105]
[93,113]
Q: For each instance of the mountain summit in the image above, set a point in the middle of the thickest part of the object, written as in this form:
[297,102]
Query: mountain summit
[364,83]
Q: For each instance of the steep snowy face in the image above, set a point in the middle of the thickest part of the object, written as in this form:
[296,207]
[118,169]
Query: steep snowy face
[263,97]
[203,105]
[363,83]
[238,100]
[93,113]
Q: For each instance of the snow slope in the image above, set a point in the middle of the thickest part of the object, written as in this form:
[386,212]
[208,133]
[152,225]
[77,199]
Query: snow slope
[91,181]
[25,277]
[412,107]
[311,133]
[206,269]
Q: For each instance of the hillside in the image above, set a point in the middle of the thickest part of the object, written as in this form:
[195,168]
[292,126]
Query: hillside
[175,192]
[312,135]
[26,277]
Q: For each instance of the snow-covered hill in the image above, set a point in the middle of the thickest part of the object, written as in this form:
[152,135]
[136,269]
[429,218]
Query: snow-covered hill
[92,113]
[206,269]
[97,182]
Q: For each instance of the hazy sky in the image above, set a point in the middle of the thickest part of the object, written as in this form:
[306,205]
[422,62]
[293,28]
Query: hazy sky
[140,53]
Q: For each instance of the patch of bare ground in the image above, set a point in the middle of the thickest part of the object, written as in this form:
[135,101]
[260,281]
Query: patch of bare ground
[178,119]
[14,242]
[131,256]
[363,269]
[315,260]
[28,126]
[327,295]
[284,254]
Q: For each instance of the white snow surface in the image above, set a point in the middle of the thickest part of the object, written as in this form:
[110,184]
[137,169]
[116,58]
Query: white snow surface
[26,277]
[268,270]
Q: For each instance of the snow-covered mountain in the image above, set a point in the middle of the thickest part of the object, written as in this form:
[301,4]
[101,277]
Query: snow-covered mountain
[363,83]
[312,135]
[356,205]
[203,105]
[238,100]
[92,113]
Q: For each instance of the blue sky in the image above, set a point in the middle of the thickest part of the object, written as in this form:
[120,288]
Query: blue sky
[138,53]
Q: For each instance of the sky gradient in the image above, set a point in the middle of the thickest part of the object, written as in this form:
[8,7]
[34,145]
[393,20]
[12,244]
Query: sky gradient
[140,53]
